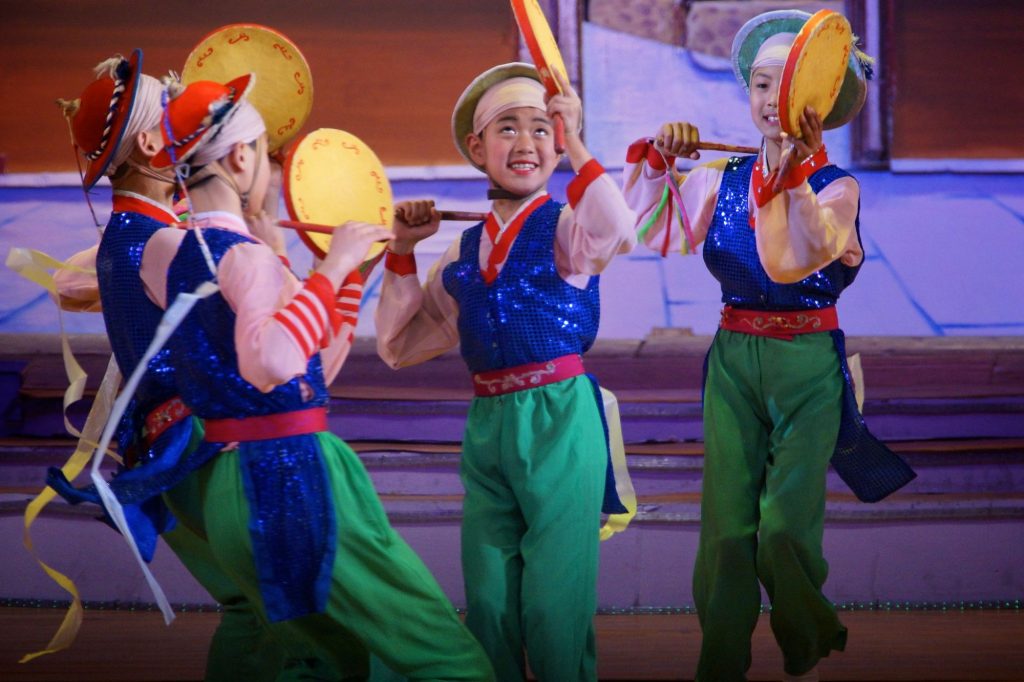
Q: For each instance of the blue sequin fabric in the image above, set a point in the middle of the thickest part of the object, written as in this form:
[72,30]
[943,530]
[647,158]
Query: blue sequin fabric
[866,465]
[730,251]
[529,313]
[292,516]
[131,320]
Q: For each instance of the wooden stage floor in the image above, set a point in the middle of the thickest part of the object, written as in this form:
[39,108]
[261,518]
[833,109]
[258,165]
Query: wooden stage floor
[918,645]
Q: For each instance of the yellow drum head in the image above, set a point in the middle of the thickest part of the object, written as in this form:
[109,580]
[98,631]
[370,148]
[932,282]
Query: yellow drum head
[331,177]
[540,42]
[815,69]
[283,92]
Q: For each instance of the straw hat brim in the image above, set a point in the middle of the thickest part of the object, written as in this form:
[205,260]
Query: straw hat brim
[465,107]
[96,168]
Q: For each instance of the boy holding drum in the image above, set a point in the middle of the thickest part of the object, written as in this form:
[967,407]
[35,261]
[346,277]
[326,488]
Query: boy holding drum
[778,401]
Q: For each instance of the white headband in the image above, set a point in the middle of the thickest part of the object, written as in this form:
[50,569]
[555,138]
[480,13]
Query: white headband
[774,51]
[244,124]
[508,94]
[146,112]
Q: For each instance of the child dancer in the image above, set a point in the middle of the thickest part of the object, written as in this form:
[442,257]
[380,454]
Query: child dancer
[777,399]
[289,510]
[115,123]
[519,294]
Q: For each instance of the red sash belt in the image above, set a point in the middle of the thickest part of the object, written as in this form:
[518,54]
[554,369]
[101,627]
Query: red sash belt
[163,417]
[779,324]
[268,426]
[512,379]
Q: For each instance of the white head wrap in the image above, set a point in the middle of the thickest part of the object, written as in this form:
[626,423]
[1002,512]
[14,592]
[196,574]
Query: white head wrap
[774,51]
[244,124]
[146,111]
[508,94]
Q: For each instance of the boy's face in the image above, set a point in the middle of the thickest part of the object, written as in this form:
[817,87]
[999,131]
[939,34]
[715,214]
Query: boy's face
[517,150]
[764,101]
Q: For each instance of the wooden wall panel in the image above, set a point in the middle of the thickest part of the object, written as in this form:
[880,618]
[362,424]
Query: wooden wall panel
[388,71]
[957,68]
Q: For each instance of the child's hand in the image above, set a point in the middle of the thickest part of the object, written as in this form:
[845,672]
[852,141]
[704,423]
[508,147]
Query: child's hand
[567,105]
[349,244]
[678,139]
[414,221]
[265,228]
[810,129]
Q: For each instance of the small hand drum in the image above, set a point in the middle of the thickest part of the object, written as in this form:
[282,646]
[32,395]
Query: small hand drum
[815,68]
[330,177]
[544,50]
[283,90]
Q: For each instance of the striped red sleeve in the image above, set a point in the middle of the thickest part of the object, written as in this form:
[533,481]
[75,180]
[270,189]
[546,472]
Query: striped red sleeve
[591,171]
[346,307]
[308,314]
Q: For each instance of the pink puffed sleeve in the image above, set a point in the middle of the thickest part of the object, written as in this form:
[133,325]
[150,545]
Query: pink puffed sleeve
[800,232]
[597,225]
[415,323]
[643,187]
[78,289]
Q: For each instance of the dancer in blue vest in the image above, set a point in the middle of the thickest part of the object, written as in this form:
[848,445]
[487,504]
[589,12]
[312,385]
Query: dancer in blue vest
[519,294]
[289,510]
[115,123]
[778,400]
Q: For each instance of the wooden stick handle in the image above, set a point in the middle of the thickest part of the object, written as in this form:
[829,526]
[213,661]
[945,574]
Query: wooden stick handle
[719,147]
[463,215]
[329,229]
[715,147]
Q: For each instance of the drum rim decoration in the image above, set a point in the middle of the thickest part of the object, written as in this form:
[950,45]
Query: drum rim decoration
[276,138]
[853,91]
[309,238]
[790,121]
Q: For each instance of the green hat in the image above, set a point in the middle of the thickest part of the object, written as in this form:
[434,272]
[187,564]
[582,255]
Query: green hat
[462,117]
[752,34]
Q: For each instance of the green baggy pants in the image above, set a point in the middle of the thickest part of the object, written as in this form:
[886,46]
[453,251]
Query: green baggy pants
[533,465]
[771,415]
[382,598]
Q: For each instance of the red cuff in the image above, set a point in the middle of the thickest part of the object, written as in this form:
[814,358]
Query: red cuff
[806,169]
[643,150]
[591,171]
[321,287]
[400,264]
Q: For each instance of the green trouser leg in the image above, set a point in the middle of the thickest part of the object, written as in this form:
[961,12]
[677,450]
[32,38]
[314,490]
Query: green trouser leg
[771,415]
[381,599]
[533,465]
[243,646]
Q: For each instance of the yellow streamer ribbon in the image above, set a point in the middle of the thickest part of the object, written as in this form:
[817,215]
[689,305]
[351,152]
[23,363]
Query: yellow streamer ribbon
[616,523]
[91,432]
[36,267]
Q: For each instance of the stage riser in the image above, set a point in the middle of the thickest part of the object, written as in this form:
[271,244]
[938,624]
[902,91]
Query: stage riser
[444,421]
[650,566]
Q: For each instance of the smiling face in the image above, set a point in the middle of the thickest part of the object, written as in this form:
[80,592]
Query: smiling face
[517,150]
[764,101]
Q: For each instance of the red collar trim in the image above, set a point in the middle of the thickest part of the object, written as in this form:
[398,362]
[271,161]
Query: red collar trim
[129,204]
[502,243]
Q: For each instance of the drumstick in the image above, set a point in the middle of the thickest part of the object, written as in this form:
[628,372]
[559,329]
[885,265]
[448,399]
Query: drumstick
[329,229]
[716,147]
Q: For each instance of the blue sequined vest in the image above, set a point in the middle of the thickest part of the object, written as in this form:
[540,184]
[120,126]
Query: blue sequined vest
[130,317]
[730,251]
[529,313]
[203,347]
